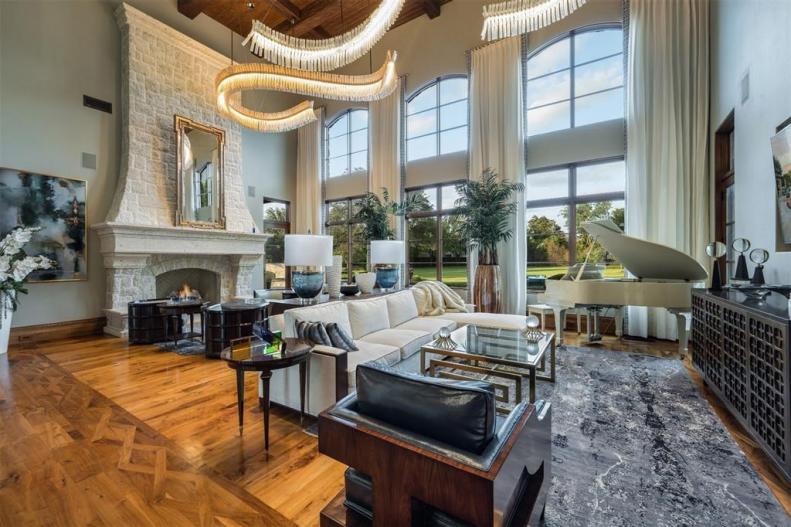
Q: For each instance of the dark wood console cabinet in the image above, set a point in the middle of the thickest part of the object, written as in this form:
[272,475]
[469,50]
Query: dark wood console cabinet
[741,349]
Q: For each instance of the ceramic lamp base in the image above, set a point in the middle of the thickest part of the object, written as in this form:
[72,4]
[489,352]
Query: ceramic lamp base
[387,277]
[307,285]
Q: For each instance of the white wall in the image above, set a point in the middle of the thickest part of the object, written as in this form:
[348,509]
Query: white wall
[51,53]
[753,37]
[47,62]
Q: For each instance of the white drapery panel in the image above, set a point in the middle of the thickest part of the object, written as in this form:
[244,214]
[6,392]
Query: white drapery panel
[497,142]
[667,100]
[308,188]
[384,132]
[384,145]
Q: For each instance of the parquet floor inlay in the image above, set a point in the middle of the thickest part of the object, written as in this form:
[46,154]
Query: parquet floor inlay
[70,456]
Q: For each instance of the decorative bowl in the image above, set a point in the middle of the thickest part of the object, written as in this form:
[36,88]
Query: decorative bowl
[349,289]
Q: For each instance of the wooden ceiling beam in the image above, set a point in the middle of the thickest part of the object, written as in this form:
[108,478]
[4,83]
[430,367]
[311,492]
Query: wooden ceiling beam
[191,8]
[312,16]
[287,9]
[432,8]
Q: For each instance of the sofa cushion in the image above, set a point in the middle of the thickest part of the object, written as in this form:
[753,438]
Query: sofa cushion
[489,320]
[429,324]
[369,352]
[330,312]
[459,413]
[367,316]
[401,307]
[408,341]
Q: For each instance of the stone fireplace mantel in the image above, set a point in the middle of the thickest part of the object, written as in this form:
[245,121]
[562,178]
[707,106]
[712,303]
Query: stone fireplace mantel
[135,255]
[117,238]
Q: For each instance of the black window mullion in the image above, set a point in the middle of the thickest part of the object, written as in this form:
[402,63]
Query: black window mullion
[572,214]
[438,256]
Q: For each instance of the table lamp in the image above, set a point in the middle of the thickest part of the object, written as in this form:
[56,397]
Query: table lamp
[386,257]
[308,253]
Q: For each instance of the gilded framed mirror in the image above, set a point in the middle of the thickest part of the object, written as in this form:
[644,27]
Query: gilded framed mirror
[200,200]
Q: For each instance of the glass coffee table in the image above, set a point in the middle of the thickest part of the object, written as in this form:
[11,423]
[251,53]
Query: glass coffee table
[487,351]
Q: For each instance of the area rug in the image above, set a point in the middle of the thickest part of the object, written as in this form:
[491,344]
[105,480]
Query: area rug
[184,347]
[635,443]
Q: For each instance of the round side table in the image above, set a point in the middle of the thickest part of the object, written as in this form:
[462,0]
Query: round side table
[251,354]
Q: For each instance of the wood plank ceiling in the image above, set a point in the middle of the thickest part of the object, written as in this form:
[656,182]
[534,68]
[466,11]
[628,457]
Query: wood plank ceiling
[302,18]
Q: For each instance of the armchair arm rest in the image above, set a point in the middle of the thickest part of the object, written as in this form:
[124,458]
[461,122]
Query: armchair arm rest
[328,350]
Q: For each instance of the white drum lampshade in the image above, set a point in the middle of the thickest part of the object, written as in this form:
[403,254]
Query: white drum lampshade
[387,252]
[308,250]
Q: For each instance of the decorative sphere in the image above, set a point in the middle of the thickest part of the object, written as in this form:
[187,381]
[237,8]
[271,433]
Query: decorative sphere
[532,322]
[716,249]
[759,256]
[741,245]
[444,333]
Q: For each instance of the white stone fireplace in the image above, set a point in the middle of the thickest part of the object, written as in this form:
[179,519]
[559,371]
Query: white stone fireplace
[167,73]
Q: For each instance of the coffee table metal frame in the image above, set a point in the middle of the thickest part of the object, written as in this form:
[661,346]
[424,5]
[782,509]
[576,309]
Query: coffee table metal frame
[473,361]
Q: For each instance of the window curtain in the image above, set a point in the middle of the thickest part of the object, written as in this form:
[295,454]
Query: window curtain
[497,142]
[308,188]
[384,136]
[667,100]
[384,145]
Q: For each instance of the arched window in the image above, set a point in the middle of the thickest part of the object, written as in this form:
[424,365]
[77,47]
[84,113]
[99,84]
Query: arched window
[576,80]
[436,122]
[347,143]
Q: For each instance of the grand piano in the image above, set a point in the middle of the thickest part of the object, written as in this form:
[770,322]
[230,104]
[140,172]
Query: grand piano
[664,278]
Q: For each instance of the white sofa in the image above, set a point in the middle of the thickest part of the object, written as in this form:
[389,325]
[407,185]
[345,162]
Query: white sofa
[386,329]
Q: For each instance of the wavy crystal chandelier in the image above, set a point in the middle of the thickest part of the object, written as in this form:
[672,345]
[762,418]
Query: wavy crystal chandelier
[237,78]
[515,17]
[323,54]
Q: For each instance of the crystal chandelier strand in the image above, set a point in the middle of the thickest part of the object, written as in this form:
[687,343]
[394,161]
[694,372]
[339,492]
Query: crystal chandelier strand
[323,54]
[515,17]
[241,77]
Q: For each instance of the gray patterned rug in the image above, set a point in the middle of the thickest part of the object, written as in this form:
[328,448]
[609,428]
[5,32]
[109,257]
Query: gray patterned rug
[634,443]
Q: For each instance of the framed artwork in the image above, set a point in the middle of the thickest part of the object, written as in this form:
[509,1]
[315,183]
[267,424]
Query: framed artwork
[781,158]
[56,205]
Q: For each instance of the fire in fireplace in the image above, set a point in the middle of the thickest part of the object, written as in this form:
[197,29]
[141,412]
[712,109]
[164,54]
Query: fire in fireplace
[185,294]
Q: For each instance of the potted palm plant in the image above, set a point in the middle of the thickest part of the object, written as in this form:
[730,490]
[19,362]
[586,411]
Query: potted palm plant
[487,206]
[375,213]
[15,266]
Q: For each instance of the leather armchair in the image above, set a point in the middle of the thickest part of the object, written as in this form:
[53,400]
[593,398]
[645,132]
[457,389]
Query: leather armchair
[419,447]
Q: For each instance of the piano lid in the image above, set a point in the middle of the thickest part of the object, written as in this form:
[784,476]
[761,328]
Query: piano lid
[645,259]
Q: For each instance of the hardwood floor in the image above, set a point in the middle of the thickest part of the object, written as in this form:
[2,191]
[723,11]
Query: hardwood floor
[70,455]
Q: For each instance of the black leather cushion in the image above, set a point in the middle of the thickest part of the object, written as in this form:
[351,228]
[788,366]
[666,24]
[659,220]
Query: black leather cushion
[459,413]
[339,337]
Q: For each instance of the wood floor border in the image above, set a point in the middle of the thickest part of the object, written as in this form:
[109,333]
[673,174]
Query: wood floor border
[39,333]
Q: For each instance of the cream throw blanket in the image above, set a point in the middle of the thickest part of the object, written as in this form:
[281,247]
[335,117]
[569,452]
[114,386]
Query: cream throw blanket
[435,298]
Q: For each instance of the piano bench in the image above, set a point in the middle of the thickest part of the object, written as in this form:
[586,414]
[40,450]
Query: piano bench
[542,310]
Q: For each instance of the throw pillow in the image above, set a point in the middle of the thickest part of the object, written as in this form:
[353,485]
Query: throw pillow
[339,338]
[313,332]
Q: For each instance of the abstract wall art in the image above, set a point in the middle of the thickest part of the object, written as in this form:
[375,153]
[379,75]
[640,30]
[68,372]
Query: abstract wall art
[56,205]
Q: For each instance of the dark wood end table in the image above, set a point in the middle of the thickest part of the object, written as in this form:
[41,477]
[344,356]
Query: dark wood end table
[173,309]
[250,354]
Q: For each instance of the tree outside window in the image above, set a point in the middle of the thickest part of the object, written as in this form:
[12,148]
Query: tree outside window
[436,249]
[277,224]
[560,201]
